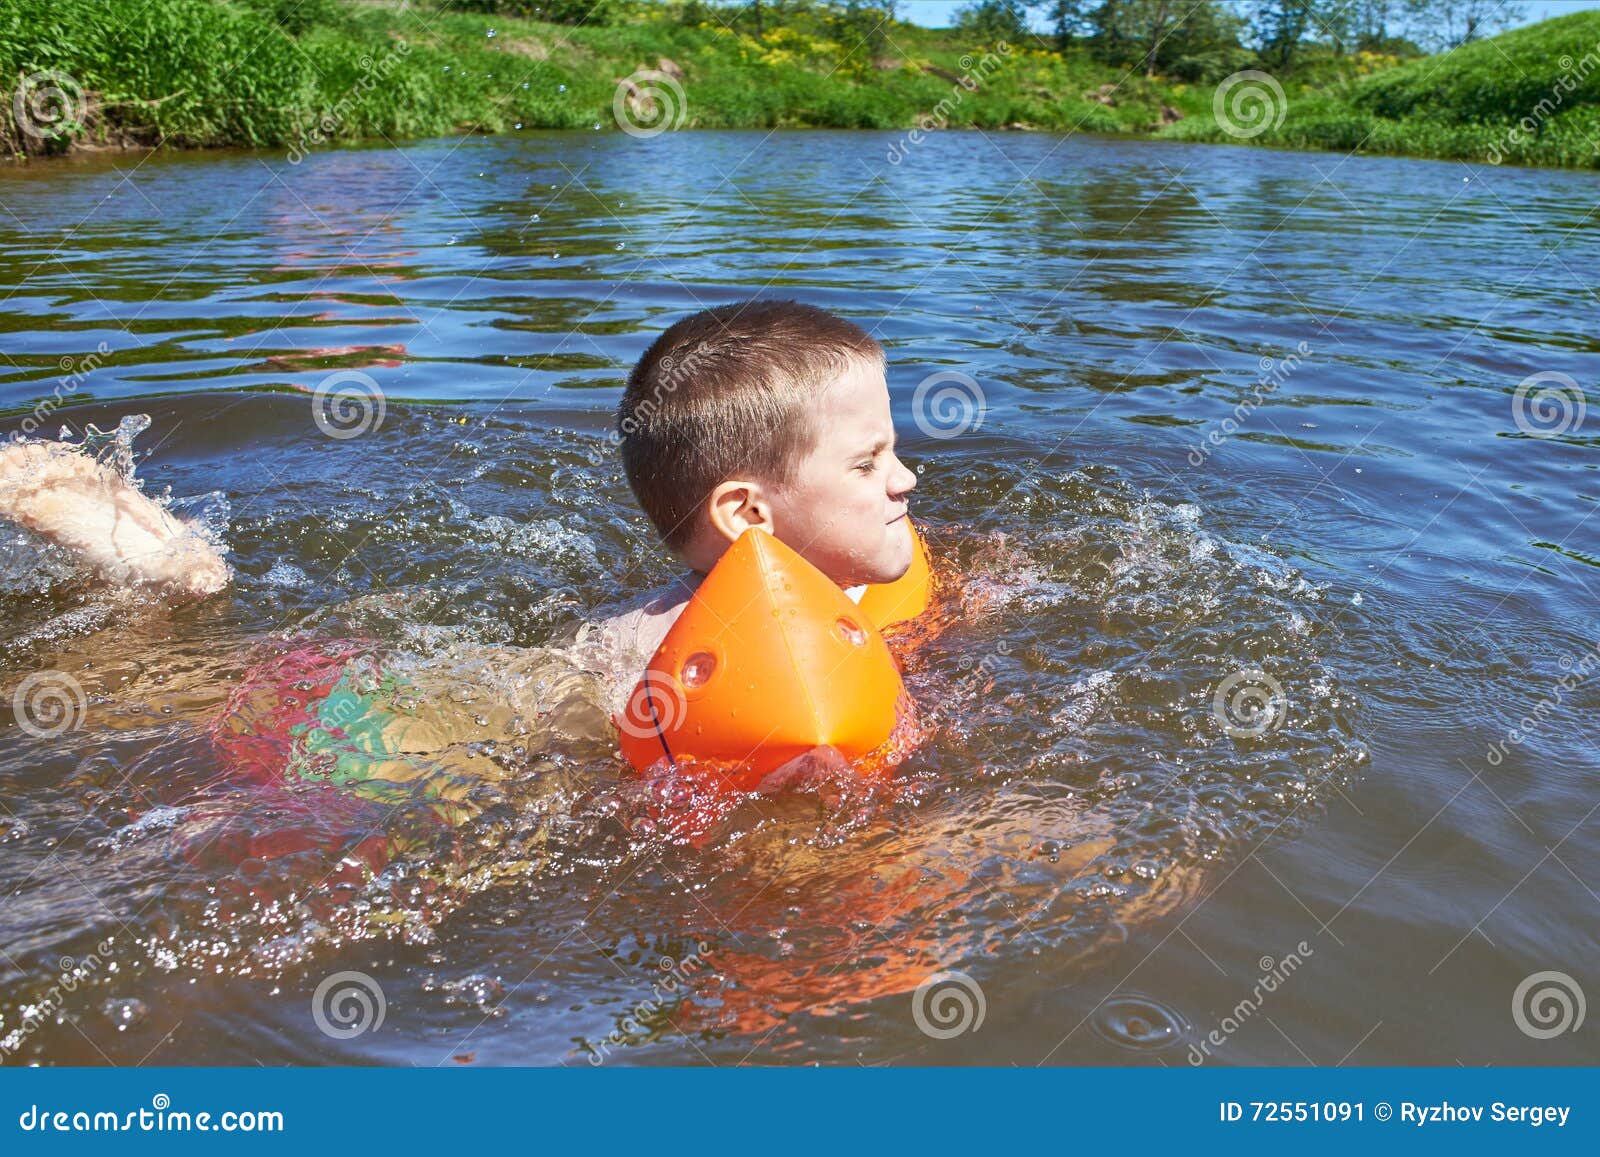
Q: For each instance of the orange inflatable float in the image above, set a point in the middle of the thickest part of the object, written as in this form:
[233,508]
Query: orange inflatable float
[769,660]
[889,604]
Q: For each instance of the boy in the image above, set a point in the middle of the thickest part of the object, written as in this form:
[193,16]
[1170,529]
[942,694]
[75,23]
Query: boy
[766,414]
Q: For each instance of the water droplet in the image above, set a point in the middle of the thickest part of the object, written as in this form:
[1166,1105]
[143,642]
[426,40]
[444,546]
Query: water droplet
[1138,1022]
[125,1012]
[477,991]
[490,34]
[561,88]
[619,245]
[519,124]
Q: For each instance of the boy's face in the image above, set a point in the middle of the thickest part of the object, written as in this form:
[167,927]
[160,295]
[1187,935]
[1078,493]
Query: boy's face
[845,509]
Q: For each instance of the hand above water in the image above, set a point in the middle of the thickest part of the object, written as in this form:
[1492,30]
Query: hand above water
[86,507]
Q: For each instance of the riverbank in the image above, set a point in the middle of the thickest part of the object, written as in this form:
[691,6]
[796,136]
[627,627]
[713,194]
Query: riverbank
[200,73]
[1530,97]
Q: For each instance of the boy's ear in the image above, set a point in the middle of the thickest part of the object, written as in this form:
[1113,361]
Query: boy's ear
[736,506]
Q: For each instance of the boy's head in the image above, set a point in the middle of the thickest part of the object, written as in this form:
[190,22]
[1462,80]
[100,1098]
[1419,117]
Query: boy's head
[770,414]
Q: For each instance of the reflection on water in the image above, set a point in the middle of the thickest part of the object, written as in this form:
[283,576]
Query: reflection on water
[1246,566]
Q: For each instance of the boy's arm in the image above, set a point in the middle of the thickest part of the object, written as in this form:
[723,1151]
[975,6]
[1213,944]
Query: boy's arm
[642,628]
[89,509]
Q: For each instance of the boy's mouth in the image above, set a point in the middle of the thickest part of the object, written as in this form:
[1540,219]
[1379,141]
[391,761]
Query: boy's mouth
[898,517]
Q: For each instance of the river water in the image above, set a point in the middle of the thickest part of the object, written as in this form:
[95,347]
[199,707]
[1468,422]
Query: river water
[1257,732]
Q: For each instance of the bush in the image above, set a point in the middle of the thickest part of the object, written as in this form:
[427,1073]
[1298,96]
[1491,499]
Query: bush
[1498,80]
[296,16]
[588,12]
[1211,65]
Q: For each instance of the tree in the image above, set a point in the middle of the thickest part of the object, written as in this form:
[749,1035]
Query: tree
[1444,24]
[1281,27]
[1369,20]
[991,20]
[1155,35]
[1134,29]
[1377,26]
[861,22]
[1069,20]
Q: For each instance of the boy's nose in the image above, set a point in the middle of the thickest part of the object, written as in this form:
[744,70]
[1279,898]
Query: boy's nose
[901,480]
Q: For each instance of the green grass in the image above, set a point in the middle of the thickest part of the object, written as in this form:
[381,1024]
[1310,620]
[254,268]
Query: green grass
[203,73]
[301,74]
[1531,96]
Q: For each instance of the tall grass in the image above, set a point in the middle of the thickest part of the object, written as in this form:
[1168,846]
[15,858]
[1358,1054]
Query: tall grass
[288,73]
[1531,96]
[299,74]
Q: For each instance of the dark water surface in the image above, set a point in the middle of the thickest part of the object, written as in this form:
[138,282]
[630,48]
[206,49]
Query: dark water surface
[1261,732]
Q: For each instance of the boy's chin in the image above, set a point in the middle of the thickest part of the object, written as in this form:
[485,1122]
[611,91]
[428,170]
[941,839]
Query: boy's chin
[892,569]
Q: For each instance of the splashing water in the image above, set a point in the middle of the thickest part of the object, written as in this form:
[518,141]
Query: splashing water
[390,770]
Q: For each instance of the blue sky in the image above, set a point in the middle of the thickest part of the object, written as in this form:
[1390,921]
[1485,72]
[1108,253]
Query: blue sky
[937,13]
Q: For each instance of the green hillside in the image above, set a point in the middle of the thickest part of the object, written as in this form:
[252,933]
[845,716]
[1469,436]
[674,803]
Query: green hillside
[1530,96]
[306,74]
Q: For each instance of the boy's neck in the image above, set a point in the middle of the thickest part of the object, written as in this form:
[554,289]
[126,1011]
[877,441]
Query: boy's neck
[696,577]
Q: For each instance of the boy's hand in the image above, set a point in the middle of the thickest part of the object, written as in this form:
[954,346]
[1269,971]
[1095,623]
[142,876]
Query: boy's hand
[88,508]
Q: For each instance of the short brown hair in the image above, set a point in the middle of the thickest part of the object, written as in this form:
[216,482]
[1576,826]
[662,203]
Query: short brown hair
[725,392]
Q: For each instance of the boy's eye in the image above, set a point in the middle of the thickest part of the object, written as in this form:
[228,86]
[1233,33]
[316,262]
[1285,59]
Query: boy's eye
[865,467]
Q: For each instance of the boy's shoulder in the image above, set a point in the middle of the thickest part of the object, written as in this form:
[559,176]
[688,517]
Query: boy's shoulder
[637,627]
[634,630]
